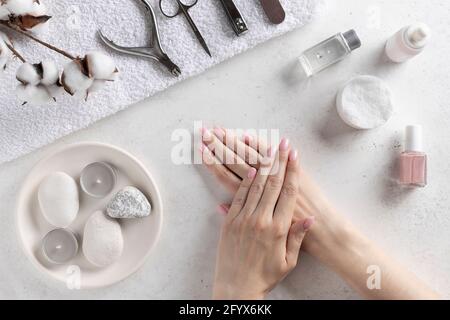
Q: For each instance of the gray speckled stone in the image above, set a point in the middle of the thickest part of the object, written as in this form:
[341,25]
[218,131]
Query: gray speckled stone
[129,203]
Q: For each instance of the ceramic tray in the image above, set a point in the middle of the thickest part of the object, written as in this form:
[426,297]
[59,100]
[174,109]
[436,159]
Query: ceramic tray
[139,235]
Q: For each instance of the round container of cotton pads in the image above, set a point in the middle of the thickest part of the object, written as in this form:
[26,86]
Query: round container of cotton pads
[365,102]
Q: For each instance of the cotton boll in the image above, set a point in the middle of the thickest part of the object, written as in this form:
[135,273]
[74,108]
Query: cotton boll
[41,29]
[74,80]
[5,53]
[38,9]
[97,85]
[101,66]
[28,74]
[35,95]
[4,12]
[50,73]
[20,7]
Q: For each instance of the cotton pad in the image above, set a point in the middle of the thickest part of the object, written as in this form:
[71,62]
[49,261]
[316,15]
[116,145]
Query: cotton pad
[102,240]
[365,102]
[58,199]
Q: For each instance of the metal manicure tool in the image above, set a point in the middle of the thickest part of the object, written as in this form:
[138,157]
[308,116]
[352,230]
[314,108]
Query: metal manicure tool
[274,10]
[183,9]
[234,15]
[153,51]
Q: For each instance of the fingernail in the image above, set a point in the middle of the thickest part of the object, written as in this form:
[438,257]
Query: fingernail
[247,138]
[309,223]
[202,148]
[252,173]
[284,145]
[223,209]
[219,133]
[206,134]
[293,155]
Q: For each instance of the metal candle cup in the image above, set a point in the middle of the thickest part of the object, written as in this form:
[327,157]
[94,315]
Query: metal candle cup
[98,179]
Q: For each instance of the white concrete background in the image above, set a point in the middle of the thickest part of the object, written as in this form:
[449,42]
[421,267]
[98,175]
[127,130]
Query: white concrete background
[255,90]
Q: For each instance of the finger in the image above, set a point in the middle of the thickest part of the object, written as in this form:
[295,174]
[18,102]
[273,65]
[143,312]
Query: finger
[257,144]
[257,188]
[241,196]
[296,235]
[231,140]
[231,160]
[275,180]
[223,209]
[222,173]
[287,201]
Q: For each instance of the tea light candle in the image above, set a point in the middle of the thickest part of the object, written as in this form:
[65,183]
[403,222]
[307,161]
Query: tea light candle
[60,246]
[98,179]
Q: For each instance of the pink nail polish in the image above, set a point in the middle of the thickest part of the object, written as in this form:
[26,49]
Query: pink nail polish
[206,134]
[293,155]
[309,223]
[284,145]
[247,138]
[202,148]
[252,173]
[219,133]
[413,162]
[223,209]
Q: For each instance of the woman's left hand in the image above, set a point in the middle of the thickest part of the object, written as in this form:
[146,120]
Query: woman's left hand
[259,245]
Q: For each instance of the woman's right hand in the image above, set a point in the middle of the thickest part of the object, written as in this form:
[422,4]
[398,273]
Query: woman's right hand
[259,245]
[229,158]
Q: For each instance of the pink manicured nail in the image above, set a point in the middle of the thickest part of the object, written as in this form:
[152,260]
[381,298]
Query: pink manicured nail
[293,155]
[252,173]
[309,223]
[223,209]
[202,148]
[219,133]
[284,145]
[206,134]
[247,138]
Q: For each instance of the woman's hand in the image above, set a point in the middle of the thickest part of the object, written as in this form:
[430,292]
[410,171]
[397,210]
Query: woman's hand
[333,240]
[229,158]
[259,245]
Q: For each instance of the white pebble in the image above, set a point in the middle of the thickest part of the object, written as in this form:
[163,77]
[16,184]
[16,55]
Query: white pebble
[28,74]
[58,199]
[102,240]
[101,66]
[129,203]
[365,102]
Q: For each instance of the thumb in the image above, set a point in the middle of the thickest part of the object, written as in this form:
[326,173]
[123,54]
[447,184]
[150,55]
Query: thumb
[295,238]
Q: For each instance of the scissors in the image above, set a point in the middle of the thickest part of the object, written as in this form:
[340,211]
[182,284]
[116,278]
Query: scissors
[184,10]
[153,51]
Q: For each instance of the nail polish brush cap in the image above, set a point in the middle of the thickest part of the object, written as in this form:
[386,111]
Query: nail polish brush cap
[352,39]
[414,139]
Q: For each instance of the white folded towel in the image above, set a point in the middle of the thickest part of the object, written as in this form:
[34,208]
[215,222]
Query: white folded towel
[74,27]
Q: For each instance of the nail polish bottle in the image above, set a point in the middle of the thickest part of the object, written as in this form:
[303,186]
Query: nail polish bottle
[408,42]
[329,52]
[413,162]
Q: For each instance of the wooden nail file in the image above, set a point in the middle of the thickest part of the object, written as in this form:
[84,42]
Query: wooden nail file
[274,11]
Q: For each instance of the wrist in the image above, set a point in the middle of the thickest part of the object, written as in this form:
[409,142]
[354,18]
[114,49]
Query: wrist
[227,292]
